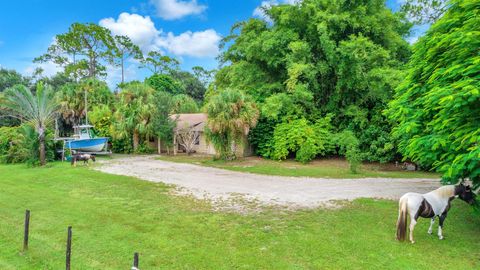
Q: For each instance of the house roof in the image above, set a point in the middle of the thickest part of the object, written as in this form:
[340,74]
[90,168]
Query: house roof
[195,121]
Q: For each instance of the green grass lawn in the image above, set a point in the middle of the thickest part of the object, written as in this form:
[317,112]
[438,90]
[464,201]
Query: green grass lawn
[114,216]
[326,168]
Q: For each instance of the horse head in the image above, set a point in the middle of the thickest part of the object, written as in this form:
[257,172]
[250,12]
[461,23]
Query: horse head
[465,193]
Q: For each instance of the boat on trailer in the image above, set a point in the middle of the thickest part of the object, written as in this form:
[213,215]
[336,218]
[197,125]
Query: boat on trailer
[84,140]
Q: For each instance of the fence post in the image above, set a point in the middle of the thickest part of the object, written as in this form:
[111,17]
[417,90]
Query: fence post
[69,248]
[26,230]
[135,261]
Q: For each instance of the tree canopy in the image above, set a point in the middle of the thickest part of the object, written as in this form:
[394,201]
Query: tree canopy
[319,57]
[231,115]
[424,11]
[82,51]
[135,113]
[437,107]
[36,109]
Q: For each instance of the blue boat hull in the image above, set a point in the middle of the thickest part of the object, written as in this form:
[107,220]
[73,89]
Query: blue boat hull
[87,145]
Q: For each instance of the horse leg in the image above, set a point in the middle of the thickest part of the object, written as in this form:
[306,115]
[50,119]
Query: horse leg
[413,222]
[430,229]
[440,225]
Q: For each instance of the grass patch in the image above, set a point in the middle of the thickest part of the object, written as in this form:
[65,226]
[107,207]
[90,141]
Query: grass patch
[114,216]
[322,168]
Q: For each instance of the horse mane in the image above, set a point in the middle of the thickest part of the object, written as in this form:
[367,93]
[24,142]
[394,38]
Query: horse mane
[445,191]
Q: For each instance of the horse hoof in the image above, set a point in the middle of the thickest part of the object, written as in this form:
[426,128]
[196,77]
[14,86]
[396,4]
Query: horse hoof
[440,237]
[429,232]
[413,242]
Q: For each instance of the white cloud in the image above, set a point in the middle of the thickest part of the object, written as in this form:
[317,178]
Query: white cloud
[176,9]
[259,11]
[143,32]
[196,44]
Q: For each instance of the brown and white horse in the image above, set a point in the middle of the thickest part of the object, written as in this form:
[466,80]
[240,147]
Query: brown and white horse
[82,157]
[429,205]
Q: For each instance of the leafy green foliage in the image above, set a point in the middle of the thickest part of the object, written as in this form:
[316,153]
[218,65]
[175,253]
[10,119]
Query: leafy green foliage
[192,85]
[321,57]
[11,149]
[424,11]
[35,109]
[71,98]
[135,113]
[231,115]
[158,63]
[261,137]
[303,139]
[165,83]
[348,145]
[21,145]
[203,75]
[9,78]
[30,142]
[101,117]
[81,50]
[437,107]
[162,123]
[183,104]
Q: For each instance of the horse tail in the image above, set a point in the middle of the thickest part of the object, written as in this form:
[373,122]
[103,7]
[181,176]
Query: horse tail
[402,219]
[73,160]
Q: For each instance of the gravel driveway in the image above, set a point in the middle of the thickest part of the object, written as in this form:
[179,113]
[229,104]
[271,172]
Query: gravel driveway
[222,186]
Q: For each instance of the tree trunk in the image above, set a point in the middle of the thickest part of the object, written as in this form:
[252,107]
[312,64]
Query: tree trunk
[136,139]
[92,67]
[175,144]
[122,71]
[159,145]
[41,140]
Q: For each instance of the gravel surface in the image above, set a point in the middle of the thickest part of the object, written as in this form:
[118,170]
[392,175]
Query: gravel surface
[221,186]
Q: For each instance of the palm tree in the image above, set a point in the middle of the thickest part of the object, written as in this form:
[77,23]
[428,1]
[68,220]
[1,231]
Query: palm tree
[135,113]
[71,99]
[231,114]
[37,109]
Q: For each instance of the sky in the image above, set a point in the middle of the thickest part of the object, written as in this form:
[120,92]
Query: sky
[189,30]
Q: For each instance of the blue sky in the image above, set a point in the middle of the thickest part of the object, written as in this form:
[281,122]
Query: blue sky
[187,29]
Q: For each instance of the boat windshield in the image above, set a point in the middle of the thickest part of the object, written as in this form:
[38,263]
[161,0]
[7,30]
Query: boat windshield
[84,133]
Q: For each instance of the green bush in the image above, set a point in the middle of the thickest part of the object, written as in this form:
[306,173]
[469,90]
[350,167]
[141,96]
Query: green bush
[144,148]
[11,148]
[21,145]
[184,104]
[261,137]
[164,83]
[303,139]
[101,117]
[348,145]
[123,145]
[436,108]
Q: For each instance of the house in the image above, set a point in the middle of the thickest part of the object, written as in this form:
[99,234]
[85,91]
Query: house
[190,135]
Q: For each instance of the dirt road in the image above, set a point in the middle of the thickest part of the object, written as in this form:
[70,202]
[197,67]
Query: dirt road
[222,185]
